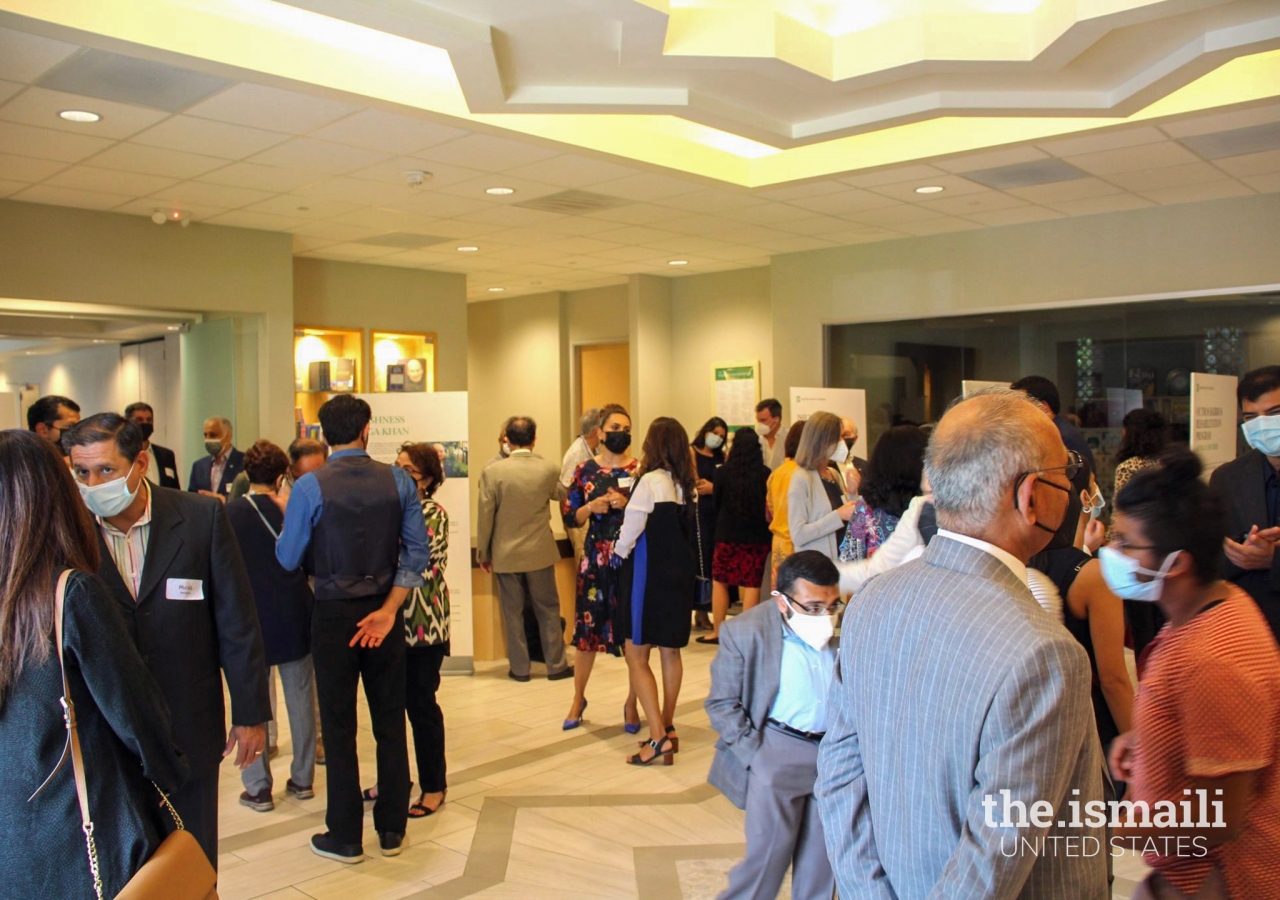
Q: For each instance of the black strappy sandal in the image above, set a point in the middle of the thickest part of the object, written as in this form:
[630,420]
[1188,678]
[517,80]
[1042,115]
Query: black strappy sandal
[671,736]
[661,751]
[420,810]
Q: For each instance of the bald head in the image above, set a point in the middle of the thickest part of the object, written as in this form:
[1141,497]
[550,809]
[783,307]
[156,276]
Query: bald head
[978,451]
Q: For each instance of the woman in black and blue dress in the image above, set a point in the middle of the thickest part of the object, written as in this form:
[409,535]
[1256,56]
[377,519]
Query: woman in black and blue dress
[655,595]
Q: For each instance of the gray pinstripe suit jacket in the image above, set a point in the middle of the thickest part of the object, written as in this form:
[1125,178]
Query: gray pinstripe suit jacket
[953,684]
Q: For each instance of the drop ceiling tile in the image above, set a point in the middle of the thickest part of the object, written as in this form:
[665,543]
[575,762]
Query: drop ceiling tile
[110,181]
[793,192]
[689,244]
[953,186]
[733,254]
[751,234]
[893,176]
[309,154]
[512,216]
[893,215]
[533,270]
[40,107]
[1167,177]
[579,245]
[523,187]
[261,221]
[12,187]
[1133,159]
[309,208]
[27,168]
[209,138]
[990,159]
[393,172]
[471,231]
[25,57]
[273,179]
[335,232]
[523,237]
[775,215]
[357,251]
[45,143]
[1194,193]
[1115,139]
[844,201]
[569,170]
[647,187]
[60,196]
[8,89]
[419,258]
[486,152]
[635,214]
[1018,215]
[1263,163]
[1267,184]
[1094,205]
[354,190]
[438,205]
[944,225]
[795,244]
[1075,189]
[972,203]
[130,157]
[812,225]
[713,200]
[147,206]
[700,225]
[1224,121]
[865,236]
[398,259]
[625,254]
[573,225]
[387,132]
[635,235]
[200,192]
[259,106]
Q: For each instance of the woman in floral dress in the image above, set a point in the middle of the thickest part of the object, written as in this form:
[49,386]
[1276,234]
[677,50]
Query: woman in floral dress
[597,499]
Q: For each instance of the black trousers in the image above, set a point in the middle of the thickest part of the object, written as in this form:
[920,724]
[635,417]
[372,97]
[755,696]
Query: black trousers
[197,806]
[339,669]
[422,666]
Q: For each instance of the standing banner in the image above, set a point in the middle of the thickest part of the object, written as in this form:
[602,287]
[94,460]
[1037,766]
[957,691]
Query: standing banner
[1213,419]
[439,419]
[735,392]
[851,402]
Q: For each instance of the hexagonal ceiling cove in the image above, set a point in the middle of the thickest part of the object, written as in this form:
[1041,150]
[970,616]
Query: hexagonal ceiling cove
[514,71]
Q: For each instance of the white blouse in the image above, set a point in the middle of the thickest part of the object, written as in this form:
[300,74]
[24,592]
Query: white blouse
[653,488]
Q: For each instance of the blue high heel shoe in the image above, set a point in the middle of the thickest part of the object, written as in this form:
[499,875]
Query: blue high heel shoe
[627,726]
[570,724]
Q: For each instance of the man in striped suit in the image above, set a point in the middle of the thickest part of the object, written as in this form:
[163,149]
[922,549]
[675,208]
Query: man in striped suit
[953,686]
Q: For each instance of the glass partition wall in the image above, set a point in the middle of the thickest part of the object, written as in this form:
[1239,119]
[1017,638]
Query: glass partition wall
[1105,359]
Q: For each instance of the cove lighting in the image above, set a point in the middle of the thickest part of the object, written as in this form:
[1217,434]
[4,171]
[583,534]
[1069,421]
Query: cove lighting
[930,189]
[678,262]
[499,191]
[468,249]
[80,116]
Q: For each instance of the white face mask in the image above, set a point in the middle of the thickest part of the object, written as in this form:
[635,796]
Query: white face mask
[109,498]
[840,453]
[816,631]
[506,449]
[1096,504]
[762,429]
[712,441]
[1121,572]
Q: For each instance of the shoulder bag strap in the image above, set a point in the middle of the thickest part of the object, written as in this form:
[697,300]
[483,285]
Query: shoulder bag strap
[275,534]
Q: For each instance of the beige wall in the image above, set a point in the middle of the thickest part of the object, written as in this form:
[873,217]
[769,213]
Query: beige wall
[650,318]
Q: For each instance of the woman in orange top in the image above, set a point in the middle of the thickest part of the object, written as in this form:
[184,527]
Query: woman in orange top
[1207,715]
[779,484]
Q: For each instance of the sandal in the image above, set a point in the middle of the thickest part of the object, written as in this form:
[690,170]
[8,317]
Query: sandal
[661,751]
[420,810]
[671,736]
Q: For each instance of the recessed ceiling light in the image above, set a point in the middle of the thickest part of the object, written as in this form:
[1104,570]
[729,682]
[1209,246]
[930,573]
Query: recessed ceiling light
[80,116]
[678,262]
[99,340]
[174,327]
[500,191]
[496,290]
[468,249]
[930,189]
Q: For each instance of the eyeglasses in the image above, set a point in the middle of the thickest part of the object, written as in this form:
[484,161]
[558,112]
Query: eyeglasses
[1075,462]
[816,609]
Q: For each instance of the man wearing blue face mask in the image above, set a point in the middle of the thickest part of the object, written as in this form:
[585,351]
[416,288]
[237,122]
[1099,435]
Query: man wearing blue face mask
[1250,490]
[172,562]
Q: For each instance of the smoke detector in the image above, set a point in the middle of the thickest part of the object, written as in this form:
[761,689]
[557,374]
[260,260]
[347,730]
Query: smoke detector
[163,216]
[416,177]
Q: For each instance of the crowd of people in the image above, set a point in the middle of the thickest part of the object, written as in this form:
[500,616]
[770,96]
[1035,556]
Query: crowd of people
[982,658]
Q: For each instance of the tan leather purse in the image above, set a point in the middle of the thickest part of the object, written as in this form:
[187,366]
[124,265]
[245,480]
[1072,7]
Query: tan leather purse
[178,870]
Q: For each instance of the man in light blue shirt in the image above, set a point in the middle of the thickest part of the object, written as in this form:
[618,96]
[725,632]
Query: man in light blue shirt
[768,702]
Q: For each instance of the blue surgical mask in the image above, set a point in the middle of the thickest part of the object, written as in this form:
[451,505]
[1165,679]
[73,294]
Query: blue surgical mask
[109,498]
[1121,572]
[712,441]
[1097,503]
[1263,434]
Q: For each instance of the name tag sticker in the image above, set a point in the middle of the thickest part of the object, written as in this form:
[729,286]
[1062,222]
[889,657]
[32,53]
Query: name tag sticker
[625,483]
[184,589]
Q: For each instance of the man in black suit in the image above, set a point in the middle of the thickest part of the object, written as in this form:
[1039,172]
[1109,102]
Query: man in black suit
[173,564]
[1037,387]
[1249,487]
[212,475]
[165,470]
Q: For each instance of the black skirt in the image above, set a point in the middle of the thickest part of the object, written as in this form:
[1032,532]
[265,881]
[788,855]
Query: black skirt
[655,596]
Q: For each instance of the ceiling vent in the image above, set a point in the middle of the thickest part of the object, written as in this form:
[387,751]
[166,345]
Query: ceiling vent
[405,240]
[140,82]
[573,203]
[1236,142]
[1020,175]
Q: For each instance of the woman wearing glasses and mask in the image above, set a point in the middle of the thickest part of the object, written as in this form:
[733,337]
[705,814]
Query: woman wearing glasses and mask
[1207,716]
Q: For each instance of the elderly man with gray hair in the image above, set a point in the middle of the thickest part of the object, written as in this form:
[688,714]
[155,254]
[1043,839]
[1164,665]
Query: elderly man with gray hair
[958,703]
[582,449]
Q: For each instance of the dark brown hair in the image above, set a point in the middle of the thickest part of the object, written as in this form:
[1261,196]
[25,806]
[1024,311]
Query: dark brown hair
[666,446]
[427,461]
[265,463]
[791,444]
[613,409]
[48,529]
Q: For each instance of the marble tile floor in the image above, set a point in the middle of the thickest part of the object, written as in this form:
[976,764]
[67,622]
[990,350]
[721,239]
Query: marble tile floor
[533,811]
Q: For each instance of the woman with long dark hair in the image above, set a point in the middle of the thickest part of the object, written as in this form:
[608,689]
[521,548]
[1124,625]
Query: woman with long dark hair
[657,580]
[1145,437]
[708,448]
[891,482]
[742,535]
[121,717]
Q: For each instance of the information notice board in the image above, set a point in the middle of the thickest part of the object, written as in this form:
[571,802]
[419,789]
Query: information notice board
[1213,419]
[736,388]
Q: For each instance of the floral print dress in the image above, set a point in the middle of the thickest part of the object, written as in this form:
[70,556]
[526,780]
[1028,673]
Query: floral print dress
[597,593]
[426,612]
[868,529]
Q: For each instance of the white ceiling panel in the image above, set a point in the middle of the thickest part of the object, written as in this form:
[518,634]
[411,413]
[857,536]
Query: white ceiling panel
[45,143]
[944,225]
[991,159]
[1018,215]
[894,215]
[1267,184]
[354,190]
[27,168]
[1250,163]
[483,151]
[713,200]
[1133,159]
[12,187]
[627,254]
[385,132]
[573,225]
[393,172]
[524,188]
[635,234]
[972,203]
[790,192]
[578,245]
[310,208]
[646,187]
[1195,193]
[311,155]
[1167,177]
[25,57]
[952,186]
[60,196]
[209,138]
[199,192]
[40,107]
[844,201]
[867,236]
[273,109]
[569,170]
[130,157]
[441,206]
[1094,205]
[697,225]
[1223,121]
[1114,139]
[255,176]
[1075,189]
[146,206]
[813,224]
[511,217]
[795,244]
[772,214]
[896,175]
[110,181]
[634,214]
[335,231]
